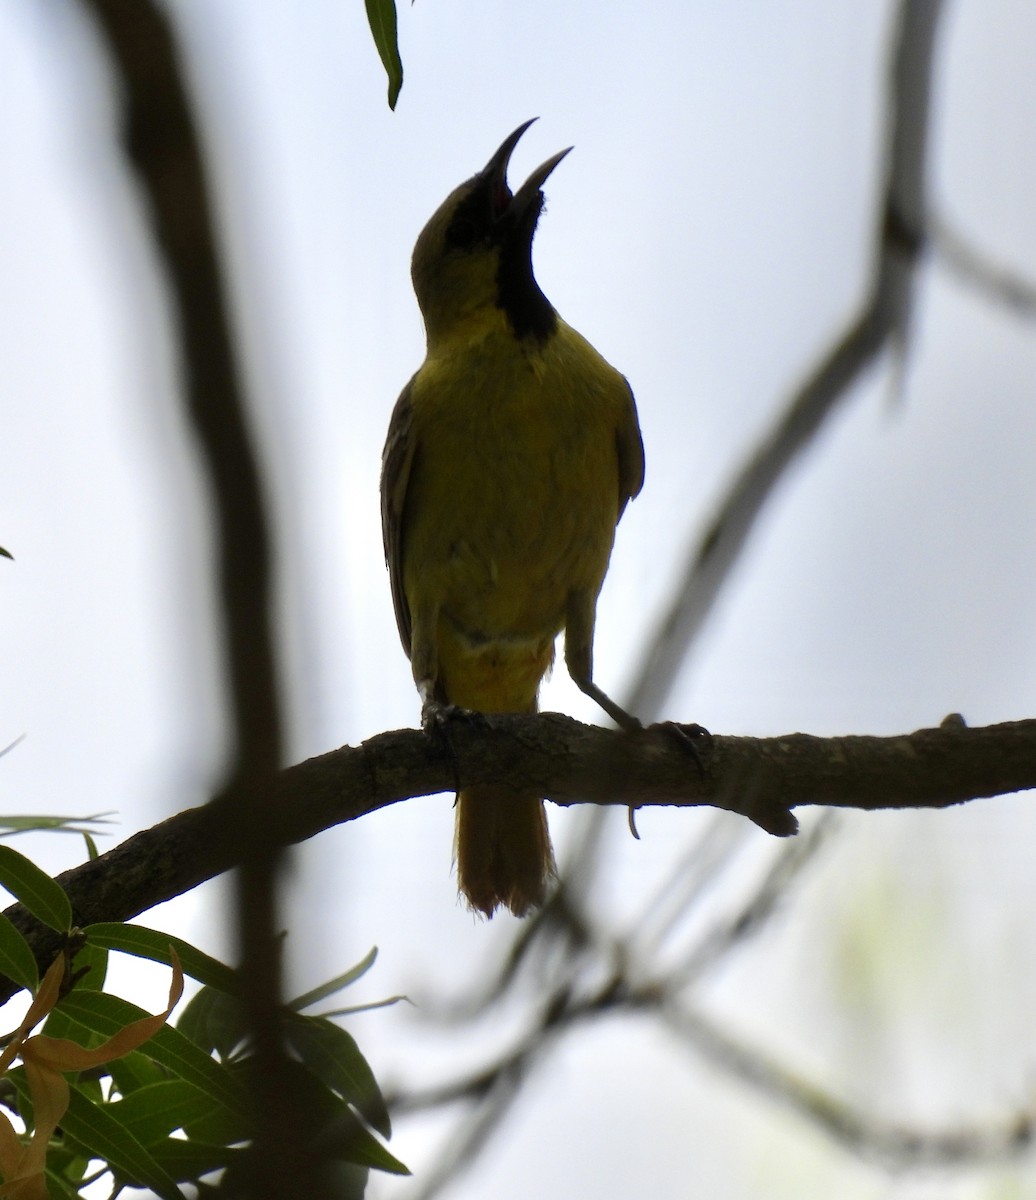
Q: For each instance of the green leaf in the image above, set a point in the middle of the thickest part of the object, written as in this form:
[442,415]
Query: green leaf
[381,15]
[343,1180]
[135,1071]
[142,942]
[188,1161]
[44,898]
[347,1181]
[105,1015]
[90,1087]
[95,1128]
[335,1059]
[214,1021]
[215,1125]
[367,1151]
[37,824]
[346,1136]
[337,1131]
[6,554]
[90,966]
[60,1025]
[336,984]
[15,1078]
[151,1113]
[58,1187]
[352,1009]
[66,1162]
[17,961]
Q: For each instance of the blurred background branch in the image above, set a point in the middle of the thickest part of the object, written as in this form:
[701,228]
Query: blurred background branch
[163,148]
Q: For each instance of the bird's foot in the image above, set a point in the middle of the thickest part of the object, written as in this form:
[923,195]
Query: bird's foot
[694,739]
[437,716]
[436,719]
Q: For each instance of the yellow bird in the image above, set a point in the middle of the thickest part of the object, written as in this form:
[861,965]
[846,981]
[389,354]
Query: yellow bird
[510,457]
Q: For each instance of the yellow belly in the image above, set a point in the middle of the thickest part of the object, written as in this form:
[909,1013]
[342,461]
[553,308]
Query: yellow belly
[511,508]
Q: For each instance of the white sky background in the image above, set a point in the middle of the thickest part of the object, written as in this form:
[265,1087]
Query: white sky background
[708,234]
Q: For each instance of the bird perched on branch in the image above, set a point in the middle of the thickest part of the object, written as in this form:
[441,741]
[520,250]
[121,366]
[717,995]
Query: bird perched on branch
[510,457]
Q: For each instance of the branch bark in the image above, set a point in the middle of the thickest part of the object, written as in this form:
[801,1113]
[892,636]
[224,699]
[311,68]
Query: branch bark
[763,779]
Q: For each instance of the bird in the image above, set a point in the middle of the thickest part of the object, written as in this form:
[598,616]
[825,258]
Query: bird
[510,457]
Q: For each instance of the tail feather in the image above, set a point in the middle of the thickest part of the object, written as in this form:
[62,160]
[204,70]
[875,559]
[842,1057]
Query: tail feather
[504,856]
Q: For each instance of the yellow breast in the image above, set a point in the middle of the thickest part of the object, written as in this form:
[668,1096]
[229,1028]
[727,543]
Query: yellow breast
[514,489]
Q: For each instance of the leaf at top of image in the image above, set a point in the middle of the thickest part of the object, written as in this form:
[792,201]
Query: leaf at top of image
[381,15]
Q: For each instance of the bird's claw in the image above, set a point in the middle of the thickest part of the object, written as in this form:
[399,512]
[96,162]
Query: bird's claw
[437,716]
[436,719]
[694,739]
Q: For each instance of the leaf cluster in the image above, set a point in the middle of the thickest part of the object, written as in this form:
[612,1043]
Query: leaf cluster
[152,1104]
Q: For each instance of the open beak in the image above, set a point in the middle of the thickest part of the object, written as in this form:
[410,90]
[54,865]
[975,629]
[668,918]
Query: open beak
[494,177]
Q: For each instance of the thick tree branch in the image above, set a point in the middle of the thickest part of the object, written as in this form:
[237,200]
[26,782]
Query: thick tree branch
[761,778]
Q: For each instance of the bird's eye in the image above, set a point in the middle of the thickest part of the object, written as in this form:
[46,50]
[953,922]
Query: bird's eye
[462,233]
[470,224]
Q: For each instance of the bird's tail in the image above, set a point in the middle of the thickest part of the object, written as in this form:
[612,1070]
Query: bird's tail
[504,856]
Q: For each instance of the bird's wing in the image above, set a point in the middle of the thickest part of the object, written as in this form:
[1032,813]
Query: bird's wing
[630,448]
[396,460]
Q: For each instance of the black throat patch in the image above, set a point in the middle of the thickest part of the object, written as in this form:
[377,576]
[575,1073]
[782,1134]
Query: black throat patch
[528,311]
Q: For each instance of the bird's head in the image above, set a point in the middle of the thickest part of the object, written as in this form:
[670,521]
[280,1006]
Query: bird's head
[473,260]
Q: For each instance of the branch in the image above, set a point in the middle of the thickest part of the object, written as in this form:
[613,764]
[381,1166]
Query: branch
[569,763]
[163,149]
[489,1090]
[1002,285]
[894,1146]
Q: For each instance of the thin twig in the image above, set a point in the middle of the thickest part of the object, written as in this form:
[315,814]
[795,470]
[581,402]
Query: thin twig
[733,930]
[1000,284]
[973,1142]
[880,322]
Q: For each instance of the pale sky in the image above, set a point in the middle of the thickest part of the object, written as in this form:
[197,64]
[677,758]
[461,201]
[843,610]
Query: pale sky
[709,234]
